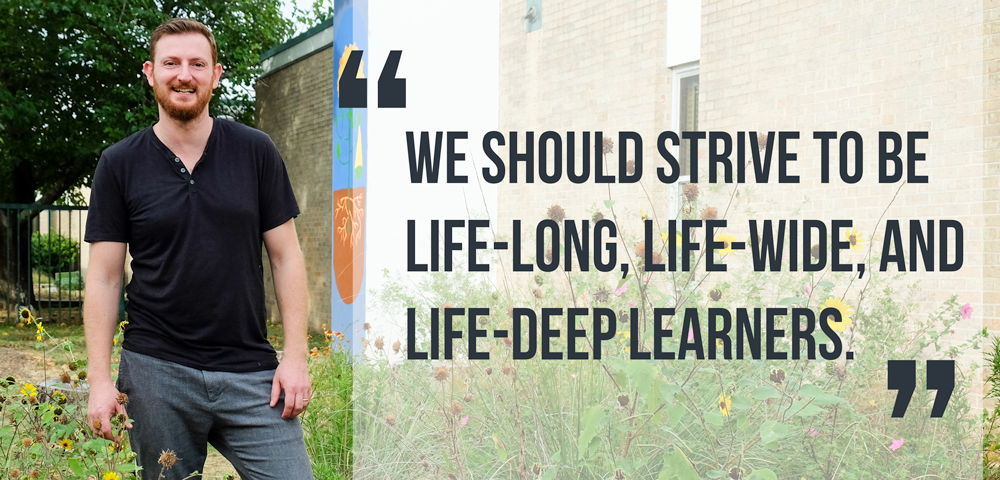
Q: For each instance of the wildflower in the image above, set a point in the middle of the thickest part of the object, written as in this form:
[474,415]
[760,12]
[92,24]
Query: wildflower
[66,443]
[26,442]
[632,303]
[691,192]
[966,311]
[642,213]
[709,213]
[114,341]
[665,237]
[29,390]
[390,420]
[111,476]
[64,377]
[35,473]
[328,333]
[630,168]
[167,458]
[379,343]
[26,316]
[726,404]
[122,399]
[845,314]
[367,326]
[602,295]
[556,213]
[314,352]
[39,338]
[621,290]
[808,289]
[812,432]
[640,248]
[506,369]
[441,374]
[456,408]
[855,237]
[82,375]
[608,145]
[727,241]
[465,420]
[395,346]
[896,444]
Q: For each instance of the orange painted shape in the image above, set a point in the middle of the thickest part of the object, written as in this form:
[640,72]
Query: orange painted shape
[349,241]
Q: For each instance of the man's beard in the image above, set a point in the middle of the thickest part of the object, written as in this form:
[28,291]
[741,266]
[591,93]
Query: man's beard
[182,112]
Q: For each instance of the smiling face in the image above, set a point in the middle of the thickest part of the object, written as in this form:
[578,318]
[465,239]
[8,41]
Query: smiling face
[183,76]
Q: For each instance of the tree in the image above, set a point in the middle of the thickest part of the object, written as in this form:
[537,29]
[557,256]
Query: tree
[71,85]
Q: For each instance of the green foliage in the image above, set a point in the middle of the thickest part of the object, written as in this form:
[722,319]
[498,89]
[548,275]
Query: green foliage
[320,11]
[52,252]
[991,435]
[328,423]
[71,80]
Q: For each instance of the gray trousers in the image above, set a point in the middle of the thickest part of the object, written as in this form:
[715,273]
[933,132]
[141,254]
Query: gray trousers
[183,409]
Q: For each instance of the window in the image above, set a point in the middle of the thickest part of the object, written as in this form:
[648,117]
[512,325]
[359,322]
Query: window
[684,116]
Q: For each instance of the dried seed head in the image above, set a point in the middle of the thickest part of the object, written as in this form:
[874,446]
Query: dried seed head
[26,442]
[456,408]
[395,346]
[814,251]
[510,312]
[623,316]
[15,473]
[539,280]
[367,326]
[57,412]
[35,473]
[72,366]
[33,399]
[602,295]
[65,378]
[467,397]
[598,216]
[556,213]
[506,370]
[536,469]
[441,374]
[715,294]
[709,213]
[548,256]
[609,145]
[122,399]
[168,458]
[39,436]
[630,167]
[390,420]
[507,341]
[119,418]
[623,400]
[619,474]
[82,375]
[640,249]
[537,292]
[762,141]
[379,343]
[691,192]
[426,465]
[489,370]
[777,376]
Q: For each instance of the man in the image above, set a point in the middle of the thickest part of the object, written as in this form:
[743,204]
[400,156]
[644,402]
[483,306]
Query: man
[193,197]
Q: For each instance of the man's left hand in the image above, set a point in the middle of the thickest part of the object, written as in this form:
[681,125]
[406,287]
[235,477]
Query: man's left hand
[292,376]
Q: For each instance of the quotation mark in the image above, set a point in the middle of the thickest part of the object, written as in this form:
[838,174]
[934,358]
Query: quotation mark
[354,90]
[903,377]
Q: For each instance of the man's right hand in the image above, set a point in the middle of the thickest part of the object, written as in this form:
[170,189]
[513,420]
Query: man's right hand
[102,405]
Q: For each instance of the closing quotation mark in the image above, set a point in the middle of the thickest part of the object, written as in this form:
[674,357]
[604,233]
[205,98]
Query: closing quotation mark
[354,90]
[903,377]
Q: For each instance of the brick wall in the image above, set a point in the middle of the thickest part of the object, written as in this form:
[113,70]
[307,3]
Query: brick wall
[295,107]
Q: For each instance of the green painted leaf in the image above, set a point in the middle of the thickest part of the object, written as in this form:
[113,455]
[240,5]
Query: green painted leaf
[824,284]
[716,473]
[764,393]
[790,301]
[763,474]
[771,431]
[676,466]
[609,203]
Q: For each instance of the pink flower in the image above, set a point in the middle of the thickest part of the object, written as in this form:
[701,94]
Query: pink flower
[621,290]
[966,311]
[808,289]
[632,304]
[812,432]
[896,444]
[690,335]
[465,420]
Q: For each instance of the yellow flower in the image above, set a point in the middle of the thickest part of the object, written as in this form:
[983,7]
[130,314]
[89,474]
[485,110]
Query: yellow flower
[726,404]
[343,63]
[38,337]
[66,443]
[115,341]
[665,237]
[40,329]
[855,237]
[845,314]
[642,213]
[26,316]
[111,476]
[727,240]
[29,389]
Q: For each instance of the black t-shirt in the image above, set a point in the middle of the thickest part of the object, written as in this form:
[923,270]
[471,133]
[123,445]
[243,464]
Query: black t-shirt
[197,291]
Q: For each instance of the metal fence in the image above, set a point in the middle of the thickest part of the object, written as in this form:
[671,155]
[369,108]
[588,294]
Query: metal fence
[41,254]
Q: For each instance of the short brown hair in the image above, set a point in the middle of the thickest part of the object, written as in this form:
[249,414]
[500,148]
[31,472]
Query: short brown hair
[177,26]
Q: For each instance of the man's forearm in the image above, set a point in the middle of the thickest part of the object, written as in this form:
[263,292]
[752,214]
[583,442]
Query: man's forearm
[100,313]
[290,290]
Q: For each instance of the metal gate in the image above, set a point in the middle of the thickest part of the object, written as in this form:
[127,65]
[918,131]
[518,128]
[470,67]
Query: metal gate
[41,255]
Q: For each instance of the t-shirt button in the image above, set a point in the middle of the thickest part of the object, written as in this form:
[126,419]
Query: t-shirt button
[183,170]
[192,182]
[177,159]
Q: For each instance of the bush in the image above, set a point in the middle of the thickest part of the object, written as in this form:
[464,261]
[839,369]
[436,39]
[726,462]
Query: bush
[52,252]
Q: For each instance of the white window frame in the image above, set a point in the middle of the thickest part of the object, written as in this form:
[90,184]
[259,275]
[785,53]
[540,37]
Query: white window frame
[680,72]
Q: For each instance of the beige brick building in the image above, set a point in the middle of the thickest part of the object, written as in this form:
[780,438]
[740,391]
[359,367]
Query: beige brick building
[295,107]
[732,66]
